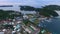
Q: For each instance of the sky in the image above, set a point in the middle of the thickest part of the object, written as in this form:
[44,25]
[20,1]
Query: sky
[35,3]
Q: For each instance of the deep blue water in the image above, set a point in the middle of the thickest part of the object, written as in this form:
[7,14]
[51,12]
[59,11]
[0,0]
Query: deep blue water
[53,25]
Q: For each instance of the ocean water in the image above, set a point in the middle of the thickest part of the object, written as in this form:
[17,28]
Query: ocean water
[52,25]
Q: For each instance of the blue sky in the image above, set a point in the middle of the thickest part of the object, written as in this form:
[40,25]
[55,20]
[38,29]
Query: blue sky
[35,3]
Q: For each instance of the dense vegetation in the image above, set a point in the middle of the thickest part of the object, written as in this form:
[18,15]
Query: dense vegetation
[52,7]
[47,11]
[8,14]
[27,8]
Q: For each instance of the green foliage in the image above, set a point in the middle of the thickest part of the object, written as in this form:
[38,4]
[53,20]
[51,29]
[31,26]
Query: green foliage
[6,14]
[52,7]
[27,8]
[26,21]
[47,12]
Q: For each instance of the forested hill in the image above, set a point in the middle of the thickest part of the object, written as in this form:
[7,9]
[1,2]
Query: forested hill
[52,7]
[45,10]
[5,14]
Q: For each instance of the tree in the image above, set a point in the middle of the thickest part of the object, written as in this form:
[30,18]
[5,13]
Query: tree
[6,14]
[27,8]
[52,7]
[48,13]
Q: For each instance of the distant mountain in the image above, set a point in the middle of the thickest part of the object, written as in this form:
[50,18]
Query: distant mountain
[6,5]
